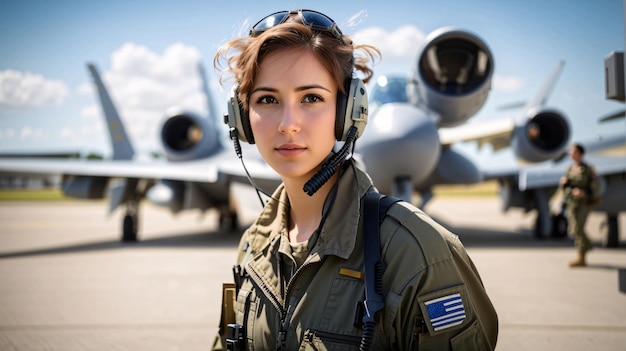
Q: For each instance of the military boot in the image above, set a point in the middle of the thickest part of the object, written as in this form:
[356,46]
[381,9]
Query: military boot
[579,261]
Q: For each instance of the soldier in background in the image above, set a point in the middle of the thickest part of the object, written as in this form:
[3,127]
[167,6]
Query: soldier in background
[580,191]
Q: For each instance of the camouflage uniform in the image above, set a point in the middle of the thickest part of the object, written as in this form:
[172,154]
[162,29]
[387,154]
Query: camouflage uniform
[313,306]
[578,209]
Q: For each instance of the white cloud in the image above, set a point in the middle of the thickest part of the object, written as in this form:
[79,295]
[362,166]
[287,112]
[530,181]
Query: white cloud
[7,134]
[144,85]
[507,84]
[400,46]
[27,90]
[31,134]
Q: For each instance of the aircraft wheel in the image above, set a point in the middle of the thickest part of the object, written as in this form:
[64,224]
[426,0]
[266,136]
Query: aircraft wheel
[537,230]
[129,229]
[234,222]
[559,226]
[229,221]
[611,237]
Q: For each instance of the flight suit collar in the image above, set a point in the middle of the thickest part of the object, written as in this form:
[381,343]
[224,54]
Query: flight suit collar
[338,235]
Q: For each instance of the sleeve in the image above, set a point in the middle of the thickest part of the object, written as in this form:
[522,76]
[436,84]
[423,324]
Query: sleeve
[436,297]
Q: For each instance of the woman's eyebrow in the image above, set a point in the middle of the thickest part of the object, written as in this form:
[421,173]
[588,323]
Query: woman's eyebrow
[312,86]
[268,89]
[301,88]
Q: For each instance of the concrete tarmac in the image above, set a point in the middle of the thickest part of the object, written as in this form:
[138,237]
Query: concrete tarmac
[67,283]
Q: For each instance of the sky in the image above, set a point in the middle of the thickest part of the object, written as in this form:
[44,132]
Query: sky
[147,52]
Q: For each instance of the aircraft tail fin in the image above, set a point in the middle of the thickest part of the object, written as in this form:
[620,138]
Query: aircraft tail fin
[214,119]
[122,148]
[542,96]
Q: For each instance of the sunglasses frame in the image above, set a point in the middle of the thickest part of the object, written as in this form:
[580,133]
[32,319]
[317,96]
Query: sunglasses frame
[331,27]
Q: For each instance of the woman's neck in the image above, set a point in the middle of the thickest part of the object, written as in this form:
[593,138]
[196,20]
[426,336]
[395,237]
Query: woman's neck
[305,212]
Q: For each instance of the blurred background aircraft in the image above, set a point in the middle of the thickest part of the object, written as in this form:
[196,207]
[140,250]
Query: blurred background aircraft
[152,66]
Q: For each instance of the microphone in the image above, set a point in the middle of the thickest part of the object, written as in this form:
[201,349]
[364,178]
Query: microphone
[330,166]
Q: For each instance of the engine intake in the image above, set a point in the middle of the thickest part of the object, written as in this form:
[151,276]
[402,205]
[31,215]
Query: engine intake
[454,73]
[542,137]
[186,136]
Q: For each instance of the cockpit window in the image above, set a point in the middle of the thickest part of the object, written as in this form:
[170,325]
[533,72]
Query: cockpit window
[388,89]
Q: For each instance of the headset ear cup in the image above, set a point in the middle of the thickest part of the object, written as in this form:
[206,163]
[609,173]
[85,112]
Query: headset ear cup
[238,118]
[351,109]
[340,116]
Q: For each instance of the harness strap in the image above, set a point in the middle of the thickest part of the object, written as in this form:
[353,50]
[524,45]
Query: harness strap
[376,206]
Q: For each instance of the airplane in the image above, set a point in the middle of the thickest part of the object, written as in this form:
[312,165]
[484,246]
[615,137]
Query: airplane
[196,174]
[415,121]
[406,147]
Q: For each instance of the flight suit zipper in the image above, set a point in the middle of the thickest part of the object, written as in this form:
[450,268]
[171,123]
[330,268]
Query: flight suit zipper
[419,328]
[286,317]
[281,307]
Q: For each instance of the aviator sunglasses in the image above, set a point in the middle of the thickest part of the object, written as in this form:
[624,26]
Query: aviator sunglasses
[316,20]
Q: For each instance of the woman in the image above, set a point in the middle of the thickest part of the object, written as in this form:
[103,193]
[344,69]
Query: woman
[299,272]
[579,186]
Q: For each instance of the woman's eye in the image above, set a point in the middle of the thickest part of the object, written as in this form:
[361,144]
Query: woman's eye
[266,100]
[312,99]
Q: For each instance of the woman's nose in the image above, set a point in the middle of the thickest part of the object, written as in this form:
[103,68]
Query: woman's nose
[290,120]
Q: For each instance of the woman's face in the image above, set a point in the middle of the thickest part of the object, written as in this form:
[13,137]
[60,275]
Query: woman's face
[292,112]
[575,155]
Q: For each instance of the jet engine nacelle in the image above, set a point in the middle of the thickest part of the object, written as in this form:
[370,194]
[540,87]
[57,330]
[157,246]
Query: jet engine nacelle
[541,137]
[453,75]
[186,136]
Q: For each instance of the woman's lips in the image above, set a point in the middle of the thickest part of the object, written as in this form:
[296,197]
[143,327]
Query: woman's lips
[290,150]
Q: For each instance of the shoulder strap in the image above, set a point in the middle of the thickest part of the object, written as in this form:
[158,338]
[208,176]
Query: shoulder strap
[375,208]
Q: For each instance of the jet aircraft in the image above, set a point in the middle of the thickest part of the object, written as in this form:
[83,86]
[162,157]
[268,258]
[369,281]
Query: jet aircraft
[406,147]
[415,121]
[196,174]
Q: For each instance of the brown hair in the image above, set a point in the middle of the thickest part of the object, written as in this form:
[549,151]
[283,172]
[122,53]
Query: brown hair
[338,58]
[579,147]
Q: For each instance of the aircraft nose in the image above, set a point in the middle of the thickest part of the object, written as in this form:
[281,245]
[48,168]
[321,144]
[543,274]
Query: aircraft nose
[399,126]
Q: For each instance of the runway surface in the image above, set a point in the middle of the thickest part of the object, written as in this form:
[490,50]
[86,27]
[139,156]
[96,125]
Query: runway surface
[67,283]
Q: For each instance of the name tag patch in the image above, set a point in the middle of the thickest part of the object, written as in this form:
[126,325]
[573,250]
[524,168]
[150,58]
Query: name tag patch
[445,312]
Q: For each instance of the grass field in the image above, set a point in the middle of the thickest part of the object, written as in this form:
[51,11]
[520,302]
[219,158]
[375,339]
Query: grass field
[55,194]
[32,195]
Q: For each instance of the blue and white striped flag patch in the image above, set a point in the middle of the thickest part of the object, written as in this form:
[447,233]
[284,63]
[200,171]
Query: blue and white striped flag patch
[445,312]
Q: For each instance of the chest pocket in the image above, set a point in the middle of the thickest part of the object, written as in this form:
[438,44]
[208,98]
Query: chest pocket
[336,330]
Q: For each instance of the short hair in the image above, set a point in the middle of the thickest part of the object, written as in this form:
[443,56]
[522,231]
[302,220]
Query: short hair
[579,147]
[338,57]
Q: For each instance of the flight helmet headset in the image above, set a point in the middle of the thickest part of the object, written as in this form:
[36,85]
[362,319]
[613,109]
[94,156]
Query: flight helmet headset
[351,105]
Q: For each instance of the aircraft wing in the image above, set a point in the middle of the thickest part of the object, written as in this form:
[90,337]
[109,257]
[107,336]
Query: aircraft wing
[500,132]
[186,171]
[495,132]
[544,176]
[203,170]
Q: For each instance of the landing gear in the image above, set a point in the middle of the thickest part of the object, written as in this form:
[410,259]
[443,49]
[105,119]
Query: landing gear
[229,221]
[556,228]
[559,226]
[611,235]
[130,226]
[538,230]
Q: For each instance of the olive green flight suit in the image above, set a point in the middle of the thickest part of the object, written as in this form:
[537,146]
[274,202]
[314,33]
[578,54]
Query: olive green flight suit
[314,306]
[578,209]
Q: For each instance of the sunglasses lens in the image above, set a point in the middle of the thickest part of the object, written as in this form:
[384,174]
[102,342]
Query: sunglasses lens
[270,21]
[316,19]
[313,19]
